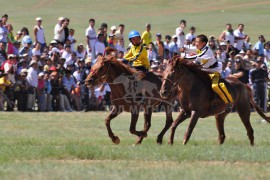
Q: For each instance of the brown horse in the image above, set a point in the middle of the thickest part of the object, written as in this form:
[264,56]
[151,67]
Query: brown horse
[197,100]
[128,93]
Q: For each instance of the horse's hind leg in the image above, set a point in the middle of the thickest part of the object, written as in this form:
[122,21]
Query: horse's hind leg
[220,118]
[181,117]
[147,123]
[244,113]
[114,112]
[193,121]
[169,120]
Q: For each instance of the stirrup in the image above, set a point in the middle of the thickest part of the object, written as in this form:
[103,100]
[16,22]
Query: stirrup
[228,108]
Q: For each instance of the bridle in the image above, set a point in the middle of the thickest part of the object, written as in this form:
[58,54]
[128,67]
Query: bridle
[176,83]
[103,77]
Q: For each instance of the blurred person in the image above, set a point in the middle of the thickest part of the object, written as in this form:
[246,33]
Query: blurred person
[72,39]
[120,32]
[3,34]
[41,92]
[69,85]
[120,45]
[227,35]
[146,35]
[180,33]
[151,53]
[18,36]
[11,40]
[10,67]
[111,41]
[16,48]
[4,84]
[67,55]
[167,41]
[32,79]
[91,38]
[259,46]
[225,71]
[59,32]
[159,47]
[239,72]
[99,45]
[36,51]
[247,44]
[26,39]
[173,45]
[66,29]
[240,37]
[22,91]
[80,53]
[191,33]
[258,78]
[5,19]
[266,52]
[39,34]
[48,89]
[104,27]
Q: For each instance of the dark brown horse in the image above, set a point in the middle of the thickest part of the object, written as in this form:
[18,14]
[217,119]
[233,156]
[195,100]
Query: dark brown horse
[128,93]
[197,100]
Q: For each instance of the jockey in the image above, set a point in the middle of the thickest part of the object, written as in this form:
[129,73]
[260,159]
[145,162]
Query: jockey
[137,55]
[209,63]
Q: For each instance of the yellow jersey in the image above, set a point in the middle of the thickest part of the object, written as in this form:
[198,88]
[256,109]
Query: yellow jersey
[3,83]
[146,38]
[138,55]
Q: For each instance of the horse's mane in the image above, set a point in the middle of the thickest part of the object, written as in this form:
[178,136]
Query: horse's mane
[120,66]
[193,67]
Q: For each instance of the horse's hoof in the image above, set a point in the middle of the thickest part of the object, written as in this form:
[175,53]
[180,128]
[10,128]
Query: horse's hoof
[116,140]
[144,134]
[159,141]
[184,142]
[170,142]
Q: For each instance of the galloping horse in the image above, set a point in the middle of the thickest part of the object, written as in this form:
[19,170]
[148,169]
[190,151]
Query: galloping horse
[108,69]
[197,100]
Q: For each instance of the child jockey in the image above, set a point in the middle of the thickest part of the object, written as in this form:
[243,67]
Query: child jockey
[209,63]
[137,55]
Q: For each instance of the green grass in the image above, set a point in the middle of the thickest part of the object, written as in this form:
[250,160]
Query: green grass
[209,16]
[76,145]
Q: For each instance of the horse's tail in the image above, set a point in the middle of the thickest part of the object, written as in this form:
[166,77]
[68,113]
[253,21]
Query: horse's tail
[258,109]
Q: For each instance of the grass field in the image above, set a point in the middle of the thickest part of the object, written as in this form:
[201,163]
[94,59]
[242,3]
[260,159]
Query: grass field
[76,146]
[209,16]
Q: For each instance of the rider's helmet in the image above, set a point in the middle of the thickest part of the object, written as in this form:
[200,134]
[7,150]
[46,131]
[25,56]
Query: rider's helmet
[133,34]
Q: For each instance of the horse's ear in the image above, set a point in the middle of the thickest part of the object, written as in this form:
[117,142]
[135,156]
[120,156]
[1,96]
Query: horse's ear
[175,61]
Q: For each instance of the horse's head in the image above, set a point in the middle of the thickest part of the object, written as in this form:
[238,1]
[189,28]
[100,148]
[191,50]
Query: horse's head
[171,78]
[99,72]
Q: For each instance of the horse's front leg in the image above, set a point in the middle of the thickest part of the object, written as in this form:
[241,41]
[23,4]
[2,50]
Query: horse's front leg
[169,120]
[181,117]
[114,112]
[134,120]
[193,121]
[147,123]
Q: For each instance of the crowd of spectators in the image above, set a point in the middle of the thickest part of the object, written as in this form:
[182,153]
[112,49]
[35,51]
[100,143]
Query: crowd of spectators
[37,75]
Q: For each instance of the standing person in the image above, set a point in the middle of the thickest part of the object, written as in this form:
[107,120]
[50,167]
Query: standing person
[258,78]
[104,27]
[99,46]
[191,34]
[227,36]
[240,37]
[146,35]
[11,40]
[91,38]
[39,34]
[167,41]
[173,45]
[5,19]
[26,39]
[159,46]
[48,89]
[120,32]
[3,33]
[59,33]
[181,34]
[66,29]
[72,39]
[259,47]
[23,86]
[32,79]
[41,92]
